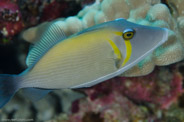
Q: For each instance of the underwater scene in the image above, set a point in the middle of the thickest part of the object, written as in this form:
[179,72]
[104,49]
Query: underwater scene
[91,60]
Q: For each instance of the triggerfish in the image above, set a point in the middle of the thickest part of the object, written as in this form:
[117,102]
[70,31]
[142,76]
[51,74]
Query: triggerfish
[82,60]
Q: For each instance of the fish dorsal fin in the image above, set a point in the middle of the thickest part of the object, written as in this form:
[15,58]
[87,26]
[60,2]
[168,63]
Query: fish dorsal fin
[109,24]
[50,37]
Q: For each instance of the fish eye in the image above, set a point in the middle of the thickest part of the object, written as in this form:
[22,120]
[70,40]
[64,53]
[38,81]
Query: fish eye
[128,34]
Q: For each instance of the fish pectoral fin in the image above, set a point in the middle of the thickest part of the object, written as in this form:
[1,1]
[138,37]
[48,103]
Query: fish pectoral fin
[117,54]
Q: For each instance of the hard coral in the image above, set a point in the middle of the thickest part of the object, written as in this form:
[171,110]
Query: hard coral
[15,15]
[155,88]
[109,102]
[146,12]
[108,108]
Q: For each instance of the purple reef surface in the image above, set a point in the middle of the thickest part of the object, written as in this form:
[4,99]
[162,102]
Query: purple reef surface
[10,19]
[17,15]
[129,99]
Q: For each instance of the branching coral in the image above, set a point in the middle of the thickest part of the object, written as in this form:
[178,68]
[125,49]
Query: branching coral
[146,12]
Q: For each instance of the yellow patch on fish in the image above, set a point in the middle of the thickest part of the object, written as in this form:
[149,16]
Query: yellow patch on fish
[116,50]
[89,54]
[128,52]
[128,48]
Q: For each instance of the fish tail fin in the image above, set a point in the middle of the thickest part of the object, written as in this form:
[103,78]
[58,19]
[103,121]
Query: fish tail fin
[8,87]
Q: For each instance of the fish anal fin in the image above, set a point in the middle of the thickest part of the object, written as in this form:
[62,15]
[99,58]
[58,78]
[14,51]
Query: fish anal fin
[35,94]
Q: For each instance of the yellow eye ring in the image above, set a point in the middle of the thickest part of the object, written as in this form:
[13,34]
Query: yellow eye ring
[128,34]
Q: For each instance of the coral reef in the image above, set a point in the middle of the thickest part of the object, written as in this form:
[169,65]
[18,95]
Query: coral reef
[147,97]
[150,12]
[10,19]
[16,15]
[155,97]
[45,109]
[44,10]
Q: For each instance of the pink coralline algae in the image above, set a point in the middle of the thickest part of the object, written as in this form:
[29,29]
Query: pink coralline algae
[107,108]
[115,99]
[53,10]
[16,15]
[10,18]
[46,10]
[153,89]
